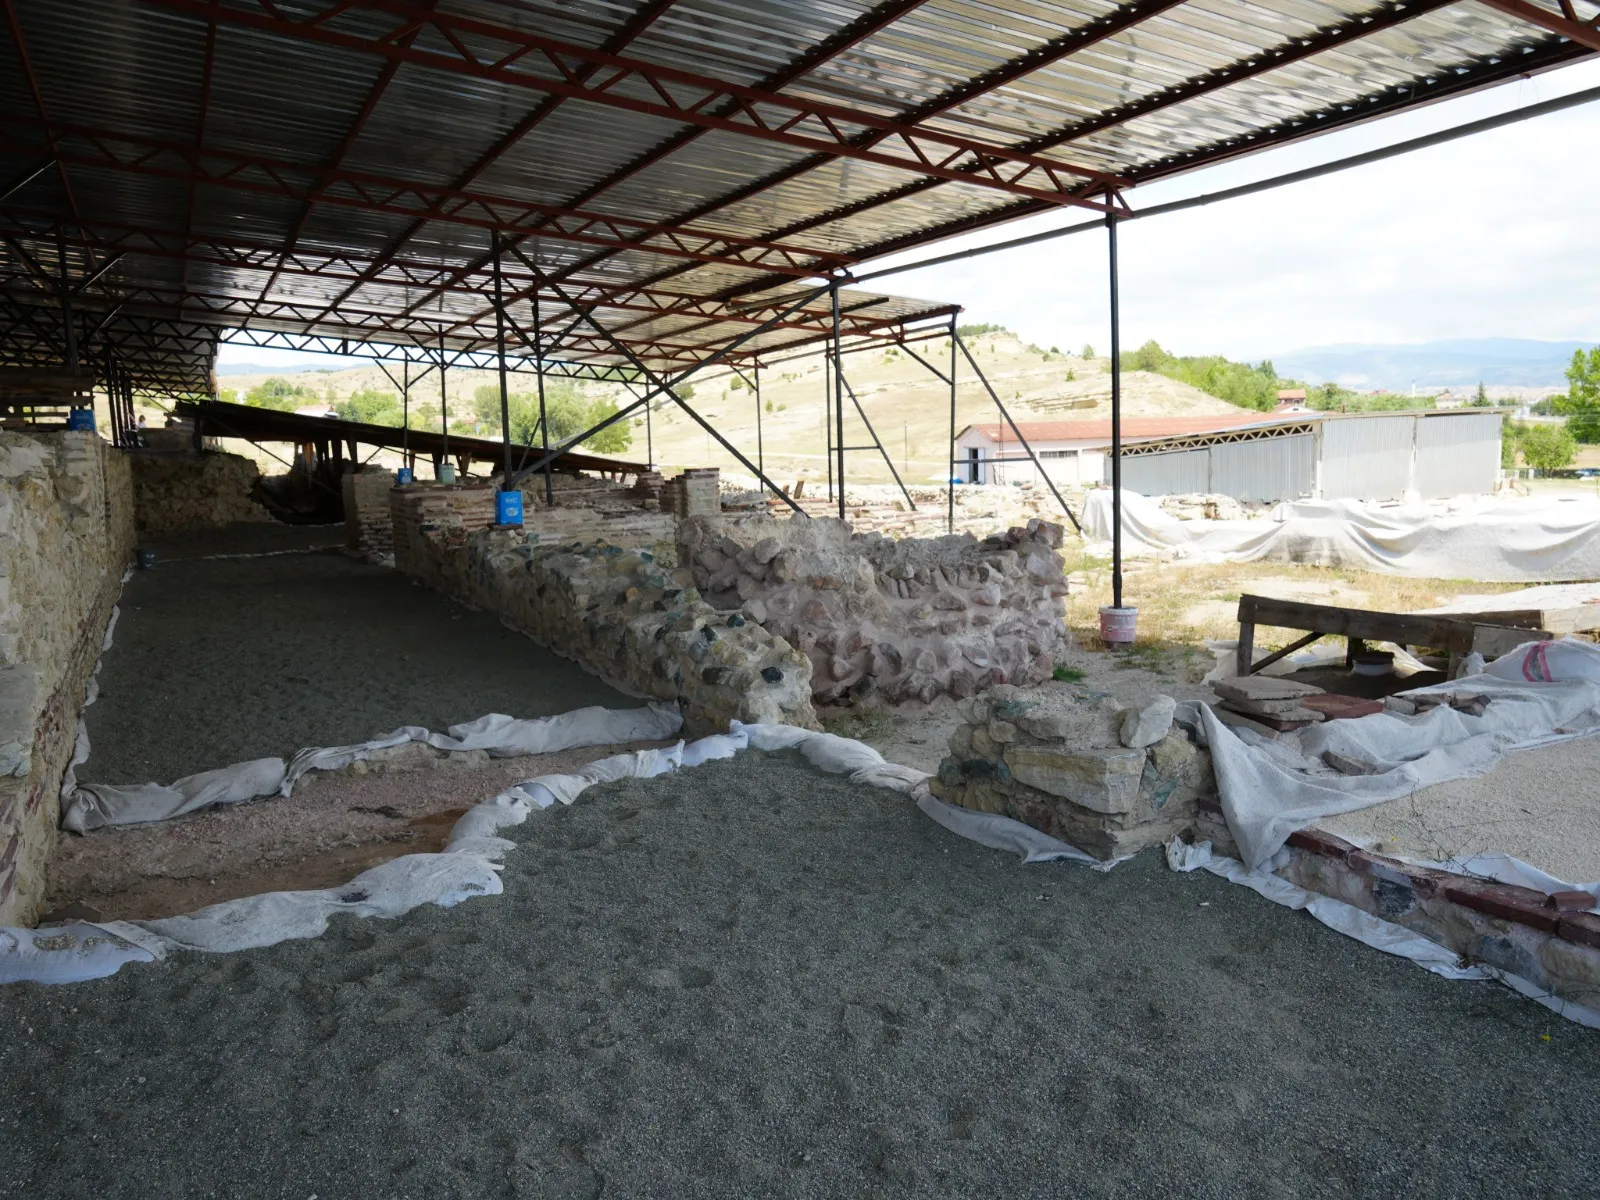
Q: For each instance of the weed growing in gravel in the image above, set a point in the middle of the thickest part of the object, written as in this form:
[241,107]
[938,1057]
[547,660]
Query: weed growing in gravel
[1069,675]
[862,724]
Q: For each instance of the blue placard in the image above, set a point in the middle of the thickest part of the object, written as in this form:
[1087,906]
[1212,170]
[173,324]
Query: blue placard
[81,418]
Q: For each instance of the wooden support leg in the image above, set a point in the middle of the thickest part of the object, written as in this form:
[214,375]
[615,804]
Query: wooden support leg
[1247,648]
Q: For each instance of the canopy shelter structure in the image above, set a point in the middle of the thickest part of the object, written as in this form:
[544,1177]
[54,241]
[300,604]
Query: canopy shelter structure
[629,189]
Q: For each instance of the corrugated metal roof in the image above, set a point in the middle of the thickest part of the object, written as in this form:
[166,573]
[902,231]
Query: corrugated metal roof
[336,167]
[1133,428]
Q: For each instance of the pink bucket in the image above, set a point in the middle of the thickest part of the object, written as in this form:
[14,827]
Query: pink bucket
[1118,626]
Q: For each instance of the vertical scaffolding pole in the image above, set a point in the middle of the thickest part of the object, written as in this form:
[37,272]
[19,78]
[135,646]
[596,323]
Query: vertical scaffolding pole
[838,394]
[950,459]
[67,323]
[444,412]
[544,421]
[1116,417]
[761,458]
[827,420]
[405,412]
[500,347]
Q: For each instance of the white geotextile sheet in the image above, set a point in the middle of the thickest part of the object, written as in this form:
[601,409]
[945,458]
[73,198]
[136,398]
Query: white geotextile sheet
[1485,538]
[90,806]
[1539,693]
[1376,932]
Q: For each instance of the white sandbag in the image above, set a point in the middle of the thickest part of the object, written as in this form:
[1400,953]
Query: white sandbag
[510,737]
[1002,833]
[69,953]
[96,805]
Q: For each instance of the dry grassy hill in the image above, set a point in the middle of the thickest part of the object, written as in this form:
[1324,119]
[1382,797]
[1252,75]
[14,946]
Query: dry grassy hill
[907,405]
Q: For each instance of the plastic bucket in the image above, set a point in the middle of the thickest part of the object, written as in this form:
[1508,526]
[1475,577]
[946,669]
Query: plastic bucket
[447,473]
[508,508]
[81,418]
[1119,626]
[404,476]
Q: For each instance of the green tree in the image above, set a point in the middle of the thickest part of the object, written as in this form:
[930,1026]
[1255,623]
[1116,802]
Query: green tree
[1581,404]
[1481,400]
[1247,386]
[1547,447]
[370,406]
[278,393]
[1088,350]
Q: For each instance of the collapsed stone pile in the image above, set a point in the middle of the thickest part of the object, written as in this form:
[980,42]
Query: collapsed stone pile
[903,620]
[632,621]
[176,493]
[1077,765]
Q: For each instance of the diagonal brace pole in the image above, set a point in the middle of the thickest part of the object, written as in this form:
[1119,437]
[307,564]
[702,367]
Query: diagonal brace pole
[877,441]
[1037,466]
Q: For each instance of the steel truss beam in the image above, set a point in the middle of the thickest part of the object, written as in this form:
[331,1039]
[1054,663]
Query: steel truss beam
[114,150]
[483,49]
[1565,23]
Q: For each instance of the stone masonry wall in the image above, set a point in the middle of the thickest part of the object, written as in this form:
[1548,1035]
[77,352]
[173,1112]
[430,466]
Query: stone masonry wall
[66,534]
[178,492]
[1079,766]
[368,516]
[902,620]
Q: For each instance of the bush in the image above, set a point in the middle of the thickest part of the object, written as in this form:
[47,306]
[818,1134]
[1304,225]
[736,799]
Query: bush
[1546,447]
[1238,383]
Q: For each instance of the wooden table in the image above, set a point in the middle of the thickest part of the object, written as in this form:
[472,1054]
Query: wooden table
[1456,635]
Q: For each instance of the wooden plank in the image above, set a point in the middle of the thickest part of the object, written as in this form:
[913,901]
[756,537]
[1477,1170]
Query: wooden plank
[1247,647]
[1406,629]
[1581,618]
[1492,641]
[1286,651]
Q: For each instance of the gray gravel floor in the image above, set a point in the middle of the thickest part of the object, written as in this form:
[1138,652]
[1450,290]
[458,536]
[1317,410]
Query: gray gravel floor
[755,980]
[217,661]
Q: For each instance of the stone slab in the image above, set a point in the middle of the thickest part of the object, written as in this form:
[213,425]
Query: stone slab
[1262,687]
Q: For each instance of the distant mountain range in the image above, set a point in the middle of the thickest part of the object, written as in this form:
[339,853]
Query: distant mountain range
[1460,362]
[332,364]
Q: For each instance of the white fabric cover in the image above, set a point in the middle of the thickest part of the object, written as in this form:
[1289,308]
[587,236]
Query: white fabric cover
[96,805]
[1539,693]
[1494,540]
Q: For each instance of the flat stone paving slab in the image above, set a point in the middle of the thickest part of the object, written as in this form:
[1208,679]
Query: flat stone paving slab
[752,979]
[219,660]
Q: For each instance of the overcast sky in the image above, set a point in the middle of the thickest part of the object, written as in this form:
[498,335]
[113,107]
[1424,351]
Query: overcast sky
[1493,235]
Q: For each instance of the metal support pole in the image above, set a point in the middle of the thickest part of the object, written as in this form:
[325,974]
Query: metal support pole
[444,412]
[878,442]
[838,394]
[649,438]
[1032,457]
[500,346]
[1116,417]
[544,422]
[950,464]
[67,322]
[761,457]
[827,421]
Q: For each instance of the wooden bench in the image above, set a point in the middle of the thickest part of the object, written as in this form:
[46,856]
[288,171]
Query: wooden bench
[1458,636]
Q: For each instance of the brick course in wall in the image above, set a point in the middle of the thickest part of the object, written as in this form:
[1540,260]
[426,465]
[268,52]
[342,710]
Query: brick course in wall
[66,534]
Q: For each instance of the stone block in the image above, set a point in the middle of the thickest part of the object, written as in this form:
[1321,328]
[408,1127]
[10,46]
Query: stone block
[1100,779]
[1147,722]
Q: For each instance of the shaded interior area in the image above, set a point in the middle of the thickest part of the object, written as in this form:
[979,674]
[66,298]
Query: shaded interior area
[220,660]
[754,979]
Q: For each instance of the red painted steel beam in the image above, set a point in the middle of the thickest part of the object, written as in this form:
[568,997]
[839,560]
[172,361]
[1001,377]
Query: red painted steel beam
[633,27]
[869,23]
[1047,53]
[115,150]
[514,57]
[1585,33]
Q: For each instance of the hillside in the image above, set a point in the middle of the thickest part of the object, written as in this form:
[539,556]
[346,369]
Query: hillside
[908,405]
[1453,363]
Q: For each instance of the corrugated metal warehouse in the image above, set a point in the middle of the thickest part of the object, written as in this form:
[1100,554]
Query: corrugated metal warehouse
[1327,456]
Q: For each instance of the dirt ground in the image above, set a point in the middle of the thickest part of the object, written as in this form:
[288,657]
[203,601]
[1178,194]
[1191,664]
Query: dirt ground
[751,979]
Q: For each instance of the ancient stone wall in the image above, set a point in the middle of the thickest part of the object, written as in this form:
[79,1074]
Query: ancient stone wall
[1076,764]
[623,615]
[66,534]
[368,515]
[906,620]
[178,492]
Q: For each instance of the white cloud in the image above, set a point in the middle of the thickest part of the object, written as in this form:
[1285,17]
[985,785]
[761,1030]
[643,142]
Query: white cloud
[1491,235]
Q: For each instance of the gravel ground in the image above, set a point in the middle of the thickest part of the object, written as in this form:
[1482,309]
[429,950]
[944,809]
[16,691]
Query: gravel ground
[219,661]
[752,979]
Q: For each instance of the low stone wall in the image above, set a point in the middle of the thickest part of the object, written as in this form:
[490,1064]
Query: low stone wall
[66,534]
[906,620]
[1106,778]
[174,493]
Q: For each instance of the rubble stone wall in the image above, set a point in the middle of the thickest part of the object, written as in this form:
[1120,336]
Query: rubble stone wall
[368,516]
[174,493]
[906,620]
[618,611]
[66,534]
[1078,765]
